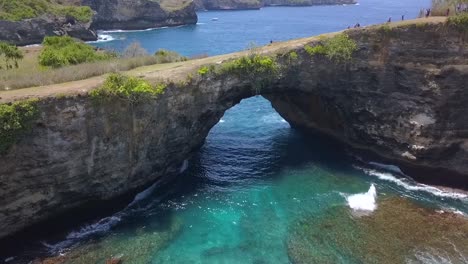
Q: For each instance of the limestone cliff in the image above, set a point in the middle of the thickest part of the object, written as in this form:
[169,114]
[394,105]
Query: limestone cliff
[402,96]
[32,31]
[108,14]
[141,14]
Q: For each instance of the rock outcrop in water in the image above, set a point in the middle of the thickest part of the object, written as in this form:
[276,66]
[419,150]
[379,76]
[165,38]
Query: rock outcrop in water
[256,4]
[32,31]
[402,96]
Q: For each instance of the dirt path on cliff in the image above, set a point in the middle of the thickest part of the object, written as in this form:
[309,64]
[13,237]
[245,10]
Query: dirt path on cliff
[171,71]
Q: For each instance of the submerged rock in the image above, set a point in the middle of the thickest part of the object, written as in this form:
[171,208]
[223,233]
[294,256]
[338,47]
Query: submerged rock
[135,246]
[399,231]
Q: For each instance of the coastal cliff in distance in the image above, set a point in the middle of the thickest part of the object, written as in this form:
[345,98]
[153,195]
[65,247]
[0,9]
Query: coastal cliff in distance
[256,4]
[141,14]
[392,97]
[81,18]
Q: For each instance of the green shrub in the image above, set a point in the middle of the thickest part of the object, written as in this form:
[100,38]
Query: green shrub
[315,50]
[15,10]
[204,70]
[10,54]
[460,22]
[166,56]
[293,56]
[258,69]
[254,65]
[127,88]
[339,48]
[15,121]
[63,51]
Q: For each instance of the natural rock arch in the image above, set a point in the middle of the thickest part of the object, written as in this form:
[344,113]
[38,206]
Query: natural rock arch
[407,106]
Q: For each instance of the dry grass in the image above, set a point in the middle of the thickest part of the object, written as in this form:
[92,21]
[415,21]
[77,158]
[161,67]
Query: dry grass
[178,71]
[30,73]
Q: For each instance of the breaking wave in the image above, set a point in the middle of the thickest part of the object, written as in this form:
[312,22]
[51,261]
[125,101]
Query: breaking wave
[412,186]
[363,201]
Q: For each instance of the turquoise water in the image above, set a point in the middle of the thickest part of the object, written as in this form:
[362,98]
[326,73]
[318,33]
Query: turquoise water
[248,191]
[260,192]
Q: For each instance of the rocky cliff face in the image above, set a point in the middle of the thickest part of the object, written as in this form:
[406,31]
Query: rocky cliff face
[110,14]
[140,14]
[402,96]
[256,4]
[32,31]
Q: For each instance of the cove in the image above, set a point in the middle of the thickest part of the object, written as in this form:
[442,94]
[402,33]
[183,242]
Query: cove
[245,195]
[284,197]
[257,190]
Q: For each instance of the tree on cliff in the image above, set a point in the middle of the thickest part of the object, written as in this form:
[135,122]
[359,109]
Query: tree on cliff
[10,54]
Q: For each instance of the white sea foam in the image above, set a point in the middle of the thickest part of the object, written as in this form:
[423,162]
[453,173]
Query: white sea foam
[414,186]
[101,226]
[103,38]
[222,121]
[73,237]
[363,201]
[132,30]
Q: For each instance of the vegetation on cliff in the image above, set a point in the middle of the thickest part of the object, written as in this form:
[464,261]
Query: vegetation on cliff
[15,121]
[460,22]
[10,55]
[258,69]
[62,67]
[127,88]
[440,7]
[339,48]
[15,10]
[63,51]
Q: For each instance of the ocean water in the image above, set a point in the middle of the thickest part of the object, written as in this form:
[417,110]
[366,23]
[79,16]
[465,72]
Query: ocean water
[236,30]
[260,192]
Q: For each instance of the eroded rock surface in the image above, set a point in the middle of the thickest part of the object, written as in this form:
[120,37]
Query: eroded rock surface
[32,31]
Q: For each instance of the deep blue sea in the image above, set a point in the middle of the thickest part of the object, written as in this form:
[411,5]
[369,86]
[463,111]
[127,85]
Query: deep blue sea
[236,30]
[260,192]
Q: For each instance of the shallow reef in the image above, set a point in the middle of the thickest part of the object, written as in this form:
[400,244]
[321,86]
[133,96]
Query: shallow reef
[398,231]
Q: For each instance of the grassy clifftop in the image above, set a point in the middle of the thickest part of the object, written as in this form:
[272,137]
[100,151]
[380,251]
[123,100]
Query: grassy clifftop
[15,10]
